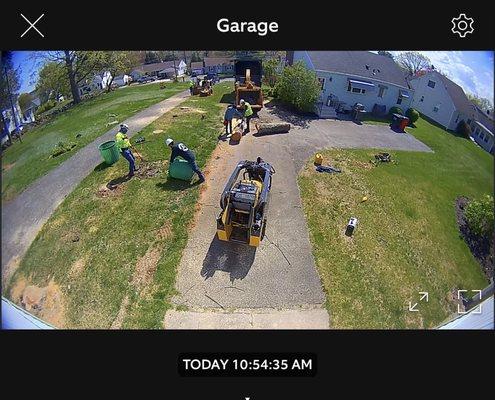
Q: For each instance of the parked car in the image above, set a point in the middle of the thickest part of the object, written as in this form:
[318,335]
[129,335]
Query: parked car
[146,79]
[213,77]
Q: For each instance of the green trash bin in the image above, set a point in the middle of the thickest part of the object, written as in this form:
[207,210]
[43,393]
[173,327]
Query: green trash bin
[109,152]
[180,169]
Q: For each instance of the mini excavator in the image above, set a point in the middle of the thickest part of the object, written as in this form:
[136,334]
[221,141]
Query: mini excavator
[244,203]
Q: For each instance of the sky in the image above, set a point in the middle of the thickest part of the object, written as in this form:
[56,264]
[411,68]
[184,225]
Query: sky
[472,70]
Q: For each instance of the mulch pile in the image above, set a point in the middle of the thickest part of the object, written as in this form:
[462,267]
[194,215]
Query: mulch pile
[481,247]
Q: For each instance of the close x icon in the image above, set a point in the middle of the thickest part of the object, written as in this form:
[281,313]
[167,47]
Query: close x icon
[32,25]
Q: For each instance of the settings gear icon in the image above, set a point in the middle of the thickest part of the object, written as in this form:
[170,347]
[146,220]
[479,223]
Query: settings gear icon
[462,25]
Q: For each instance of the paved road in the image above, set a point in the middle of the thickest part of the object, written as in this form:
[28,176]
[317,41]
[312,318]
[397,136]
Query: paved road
[226,285]
[23,217]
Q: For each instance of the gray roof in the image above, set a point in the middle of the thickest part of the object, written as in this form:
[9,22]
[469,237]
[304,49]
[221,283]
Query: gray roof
[484,119]
[359,63]
[459,98]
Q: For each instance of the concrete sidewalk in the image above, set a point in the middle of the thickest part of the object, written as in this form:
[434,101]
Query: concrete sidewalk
[23,217]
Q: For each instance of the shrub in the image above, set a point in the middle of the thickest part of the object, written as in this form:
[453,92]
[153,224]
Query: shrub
[479,216]
[396,110]
[413,115]
[47,105]
[298,86]
[464,129]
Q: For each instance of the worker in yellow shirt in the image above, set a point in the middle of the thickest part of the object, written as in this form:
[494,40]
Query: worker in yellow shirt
[247,112]
[124,145]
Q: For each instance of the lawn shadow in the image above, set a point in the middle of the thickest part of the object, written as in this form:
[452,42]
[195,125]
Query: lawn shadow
[102,166]
[172,184]
[117,181]
[234,258]
[228,98]
[291,116]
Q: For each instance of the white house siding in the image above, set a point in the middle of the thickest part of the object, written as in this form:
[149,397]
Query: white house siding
[336,84]
[427,98]
[483,137]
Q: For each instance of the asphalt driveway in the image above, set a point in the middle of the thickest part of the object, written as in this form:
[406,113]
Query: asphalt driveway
[215,276]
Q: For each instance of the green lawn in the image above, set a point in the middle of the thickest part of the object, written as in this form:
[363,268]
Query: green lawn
[121,267]
[407,238]
[22,163]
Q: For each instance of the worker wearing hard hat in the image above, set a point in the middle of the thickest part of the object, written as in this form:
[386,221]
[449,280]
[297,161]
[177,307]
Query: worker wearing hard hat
[180,149]
[230,113]
[247,112]
[124,145]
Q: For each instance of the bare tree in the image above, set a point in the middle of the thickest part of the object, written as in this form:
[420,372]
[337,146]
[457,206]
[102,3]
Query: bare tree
[9,87]
[412,61]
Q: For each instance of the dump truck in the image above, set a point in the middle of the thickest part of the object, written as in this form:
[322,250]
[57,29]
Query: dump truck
[248,73]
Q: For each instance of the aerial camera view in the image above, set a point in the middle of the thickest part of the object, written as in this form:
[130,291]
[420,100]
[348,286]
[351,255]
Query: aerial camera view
[247,189]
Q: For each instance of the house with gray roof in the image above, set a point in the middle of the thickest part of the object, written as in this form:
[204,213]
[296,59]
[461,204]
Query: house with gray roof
[445,102]
[350,77]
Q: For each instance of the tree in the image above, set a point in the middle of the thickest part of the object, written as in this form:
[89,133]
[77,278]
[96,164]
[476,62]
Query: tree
[298,86]
[412,61]
[151,57]
[386,54]
[270,71]
[52,81]
[483,103]
[195,57]
[25,100]
[9,87]
[78,66]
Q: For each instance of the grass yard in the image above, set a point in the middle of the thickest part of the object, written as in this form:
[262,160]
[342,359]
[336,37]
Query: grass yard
[22,163]
[407,238]
[109,257]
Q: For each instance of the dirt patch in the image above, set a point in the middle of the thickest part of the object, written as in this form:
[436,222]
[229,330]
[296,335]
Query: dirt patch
[117,322]
[46,303]
[146,268]
[72,235]
[6,167]
[157,131]
[18,289]
[164,232]
[185,110]
[77,268]
[482,248]
[149,169]
[109,190]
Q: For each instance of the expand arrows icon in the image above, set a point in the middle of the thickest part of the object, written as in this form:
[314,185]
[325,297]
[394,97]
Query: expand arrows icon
[424,296]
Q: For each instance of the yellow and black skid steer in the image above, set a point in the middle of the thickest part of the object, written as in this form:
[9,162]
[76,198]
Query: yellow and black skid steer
[244,203]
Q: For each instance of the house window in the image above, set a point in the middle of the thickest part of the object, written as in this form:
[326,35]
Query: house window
[431,84]
[457,119]
[422,99]
[435,109]
[399,100]
[322,83]
[381,91]
[486,139]
[481,135]
[358,90]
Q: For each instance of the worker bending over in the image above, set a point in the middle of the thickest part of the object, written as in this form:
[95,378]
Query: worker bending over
[124,145]
[247,112]
[180,149]
[230,114]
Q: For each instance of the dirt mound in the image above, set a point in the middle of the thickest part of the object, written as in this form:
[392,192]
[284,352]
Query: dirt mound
[6,167]
[47,303]
[149,169]
[110,190]
[482,248]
